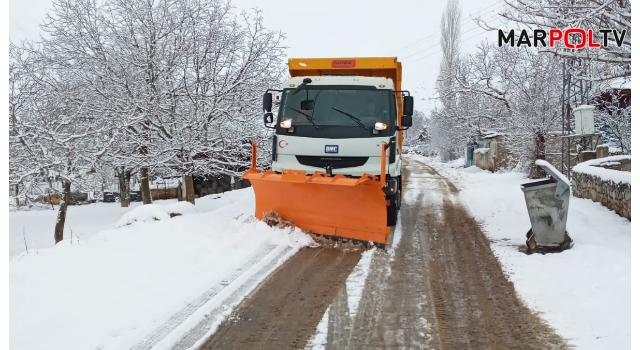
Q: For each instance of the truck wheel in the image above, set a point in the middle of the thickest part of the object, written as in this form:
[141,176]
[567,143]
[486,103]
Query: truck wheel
[399,194]
[392,211]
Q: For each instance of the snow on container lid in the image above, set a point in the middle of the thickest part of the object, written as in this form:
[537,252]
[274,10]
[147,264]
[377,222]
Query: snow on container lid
[563,182]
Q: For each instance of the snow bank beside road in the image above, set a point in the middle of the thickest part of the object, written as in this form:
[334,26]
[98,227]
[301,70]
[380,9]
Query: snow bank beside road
[119,285]
[87,220]
[584,292]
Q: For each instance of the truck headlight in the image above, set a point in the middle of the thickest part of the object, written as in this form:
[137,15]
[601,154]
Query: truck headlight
[380,126]
[285,123]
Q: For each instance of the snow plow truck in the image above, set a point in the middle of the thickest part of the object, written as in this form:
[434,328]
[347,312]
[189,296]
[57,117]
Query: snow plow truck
[336,157]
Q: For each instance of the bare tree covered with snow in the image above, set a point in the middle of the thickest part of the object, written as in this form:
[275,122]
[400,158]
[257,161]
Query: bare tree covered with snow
[418,138]
[415,134]
[229,62]
[536,111]
[165,86]
[178,82]
[445,139]
[513,91]
[21,89]
[613,119]
[54,132]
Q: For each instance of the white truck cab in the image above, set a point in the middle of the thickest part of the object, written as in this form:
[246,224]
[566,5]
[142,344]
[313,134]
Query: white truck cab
[347,119]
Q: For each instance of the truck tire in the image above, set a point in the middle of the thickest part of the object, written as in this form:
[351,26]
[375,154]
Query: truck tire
[392,211]
[399,194]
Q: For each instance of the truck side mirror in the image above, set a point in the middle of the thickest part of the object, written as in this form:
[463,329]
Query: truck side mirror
[407,121]
[407,106]
[267,103]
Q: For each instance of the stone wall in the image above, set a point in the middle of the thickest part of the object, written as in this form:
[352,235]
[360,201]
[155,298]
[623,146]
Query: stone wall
[613,194]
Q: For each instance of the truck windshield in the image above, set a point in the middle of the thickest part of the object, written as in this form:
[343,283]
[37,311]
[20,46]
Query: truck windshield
[327,105]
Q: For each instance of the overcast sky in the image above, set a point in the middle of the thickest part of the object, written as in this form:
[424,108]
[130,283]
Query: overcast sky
[408,29]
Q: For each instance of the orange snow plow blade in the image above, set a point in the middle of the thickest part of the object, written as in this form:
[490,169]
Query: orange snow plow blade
[352,208]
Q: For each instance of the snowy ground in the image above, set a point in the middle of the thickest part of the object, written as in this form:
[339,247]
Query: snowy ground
[152,282]
[584,292]
[141,284]
[83,221]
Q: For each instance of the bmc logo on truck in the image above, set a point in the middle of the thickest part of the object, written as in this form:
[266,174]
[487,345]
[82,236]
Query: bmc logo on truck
[343,64]
[330,148]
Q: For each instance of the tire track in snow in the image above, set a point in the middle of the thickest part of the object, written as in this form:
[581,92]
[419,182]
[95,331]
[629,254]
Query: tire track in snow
[204,326]
[178,318]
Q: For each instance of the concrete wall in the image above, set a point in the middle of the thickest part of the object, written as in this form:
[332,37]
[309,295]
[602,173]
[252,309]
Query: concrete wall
[615,196]
[602,151]
[482,159]
[494,157]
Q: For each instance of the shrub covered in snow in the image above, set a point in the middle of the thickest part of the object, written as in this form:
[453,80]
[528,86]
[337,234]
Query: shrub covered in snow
[155,212]
[143,213]
[180,208]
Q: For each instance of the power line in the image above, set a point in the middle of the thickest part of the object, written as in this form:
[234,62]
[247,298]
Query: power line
[439,51]
[467,20]
[438,44]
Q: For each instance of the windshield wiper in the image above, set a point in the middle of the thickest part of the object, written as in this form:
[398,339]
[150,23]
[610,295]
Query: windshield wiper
[310,118]
[355,119]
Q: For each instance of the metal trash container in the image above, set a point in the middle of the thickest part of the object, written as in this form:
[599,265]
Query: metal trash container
[548,204]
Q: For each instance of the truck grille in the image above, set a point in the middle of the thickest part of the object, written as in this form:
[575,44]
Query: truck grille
[335,162]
